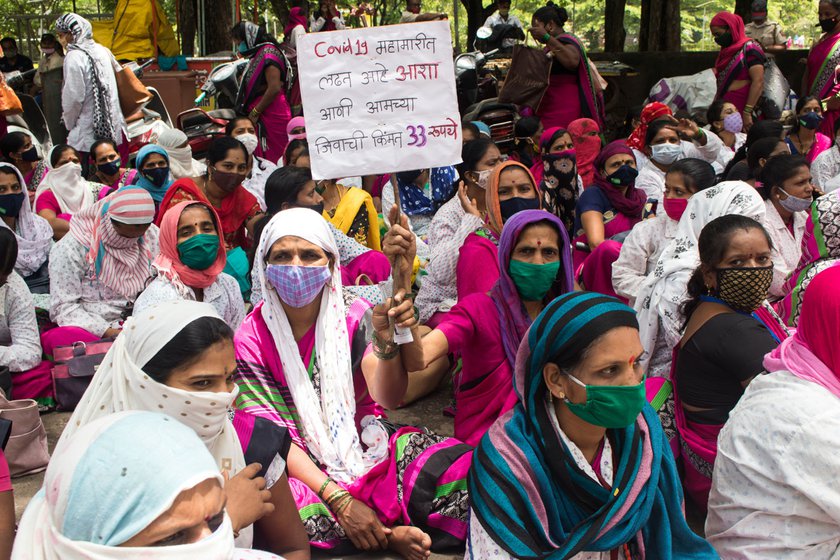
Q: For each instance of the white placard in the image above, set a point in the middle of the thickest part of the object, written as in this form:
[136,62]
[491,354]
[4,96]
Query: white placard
[379,99]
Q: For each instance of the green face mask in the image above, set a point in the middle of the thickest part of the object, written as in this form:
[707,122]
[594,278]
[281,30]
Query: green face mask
[533,280]
[199,252]
[609,406]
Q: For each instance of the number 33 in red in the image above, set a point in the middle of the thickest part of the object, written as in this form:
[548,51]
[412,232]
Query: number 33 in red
[417,134]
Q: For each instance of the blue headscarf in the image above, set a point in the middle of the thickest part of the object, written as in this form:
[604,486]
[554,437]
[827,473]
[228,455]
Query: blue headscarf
[121,472]
[157,192]
[413,200]
[525,486]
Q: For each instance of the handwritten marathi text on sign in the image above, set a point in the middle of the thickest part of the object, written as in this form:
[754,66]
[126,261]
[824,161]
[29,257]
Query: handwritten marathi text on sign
[379,100]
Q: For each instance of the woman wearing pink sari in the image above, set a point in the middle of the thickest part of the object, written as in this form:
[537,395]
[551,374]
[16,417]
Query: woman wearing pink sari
[739,66]
[612,205]
[724,342]
[804,138]
[303,364]
[819,79]
[262,95]
[510,189]
[571,92]
[534,267]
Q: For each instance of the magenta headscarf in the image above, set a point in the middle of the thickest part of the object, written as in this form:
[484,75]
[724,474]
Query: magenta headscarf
[813,353]
[296,18]
[631,202]
[514,320]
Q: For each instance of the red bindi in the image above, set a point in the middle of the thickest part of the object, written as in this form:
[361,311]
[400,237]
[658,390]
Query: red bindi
[539,243]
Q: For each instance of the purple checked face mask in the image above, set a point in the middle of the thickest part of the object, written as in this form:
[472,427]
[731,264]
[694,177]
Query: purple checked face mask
[297,285]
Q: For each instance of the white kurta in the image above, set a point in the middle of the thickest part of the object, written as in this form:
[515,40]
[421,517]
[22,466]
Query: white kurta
[20,345]
[639,253]
[774,491]
[77,300]
[223,295]
[255,183]
[77,102]
[787,246]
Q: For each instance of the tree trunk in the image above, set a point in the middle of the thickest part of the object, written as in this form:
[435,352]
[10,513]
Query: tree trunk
[742,8]
[186,26]
[281,10]
[218,23]
[659,29]
[614,32]
[477,14]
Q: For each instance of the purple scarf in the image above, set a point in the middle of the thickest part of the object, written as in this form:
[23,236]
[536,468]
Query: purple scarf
[632,202]
[513,318]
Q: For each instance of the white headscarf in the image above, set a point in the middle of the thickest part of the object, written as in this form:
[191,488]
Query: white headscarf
[34,235]
[120,384]
[108,483]
[329,425]
[664,290]
[181,162]
[71,190]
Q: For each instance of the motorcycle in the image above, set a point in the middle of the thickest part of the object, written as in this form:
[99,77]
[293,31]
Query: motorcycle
[202,126]
[500,117]
[472,82]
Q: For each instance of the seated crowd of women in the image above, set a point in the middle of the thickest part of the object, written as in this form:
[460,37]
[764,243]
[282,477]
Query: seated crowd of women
[622,325]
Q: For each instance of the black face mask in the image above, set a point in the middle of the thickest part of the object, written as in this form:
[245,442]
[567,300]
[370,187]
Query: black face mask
[317,207]
[30,155]
[828,24]
[111,168]
[511,206]
[724,39]
[10,204]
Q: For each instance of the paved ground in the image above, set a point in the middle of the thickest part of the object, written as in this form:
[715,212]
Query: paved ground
[426,412]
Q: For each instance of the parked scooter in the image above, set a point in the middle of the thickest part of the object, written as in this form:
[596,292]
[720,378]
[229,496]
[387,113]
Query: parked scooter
[202,126]
[472,82]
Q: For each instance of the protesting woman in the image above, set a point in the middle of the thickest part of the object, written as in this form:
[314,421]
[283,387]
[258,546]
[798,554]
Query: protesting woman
[20,348]
[787,192]
[820,250]
[580,468]
[100,267]
[660,297]
[262,95]
[511,189]
[64,192]
[17,148]
[804,137]
[177,358]
[485,328]
[611,206]
[34,234]
[572,90]
[190,264]
[108,167]
[133,485]
[302,363]
[723,345]
[451,226]
[153,173]
[819,77]
[642,248]
[739,66]
[773,493]
[221,186]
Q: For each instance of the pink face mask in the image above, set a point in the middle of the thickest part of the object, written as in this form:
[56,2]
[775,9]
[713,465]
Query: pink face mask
[675,207]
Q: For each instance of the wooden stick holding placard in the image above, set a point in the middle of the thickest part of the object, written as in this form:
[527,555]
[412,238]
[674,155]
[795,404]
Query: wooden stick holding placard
[399,335]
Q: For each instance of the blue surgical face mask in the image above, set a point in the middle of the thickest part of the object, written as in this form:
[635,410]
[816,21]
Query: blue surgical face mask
[811,120]
[666,154]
